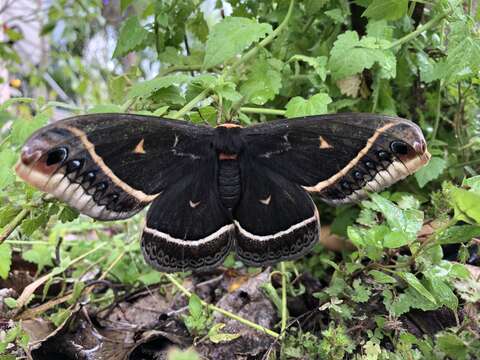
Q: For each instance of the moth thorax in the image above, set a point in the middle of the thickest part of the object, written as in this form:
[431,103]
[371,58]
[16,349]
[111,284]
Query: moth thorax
[229,185]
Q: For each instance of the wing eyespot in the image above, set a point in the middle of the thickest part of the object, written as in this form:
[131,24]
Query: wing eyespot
[399,147]
[74,166]
[89,177]
[358,175]
[56,156]
[101,187]
[383,155]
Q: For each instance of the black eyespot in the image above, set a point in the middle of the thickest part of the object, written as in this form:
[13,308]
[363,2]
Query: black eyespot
[101,187]
[383,155]
[369,164]
[57,155]
[74,165]
[358,175]
[399,147]
[345,185]
[89,177]
[113,197]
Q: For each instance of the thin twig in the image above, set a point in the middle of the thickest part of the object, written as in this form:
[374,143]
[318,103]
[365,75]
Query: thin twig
[222,311]
[266,111]
[427,26]
[12,225]
[284,299]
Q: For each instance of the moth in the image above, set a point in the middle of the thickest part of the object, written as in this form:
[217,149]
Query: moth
[213,190]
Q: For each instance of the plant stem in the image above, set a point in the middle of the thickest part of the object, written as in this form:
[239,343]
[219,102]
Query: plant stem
[176,68]
[251,110]
[11,226]
[222,311]
[251,53]
[191,104]
[430,24]
[439,92]
[284,299]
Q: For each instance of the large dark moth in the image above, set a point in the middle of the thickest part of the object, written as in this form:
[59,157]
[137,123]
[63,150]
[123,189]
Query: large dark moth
[217,189]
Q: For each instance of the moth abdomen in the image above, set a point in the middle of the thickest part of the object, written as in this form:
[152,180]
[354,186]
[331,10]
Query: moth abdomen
[229,183]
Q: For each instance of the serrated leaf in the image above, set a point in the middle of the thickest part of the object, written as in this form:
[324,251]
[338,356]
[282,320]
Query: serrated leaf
[396,239]
[453,346]
[7,176]
[386,9]
[351,55]
[381,277]
[23,128]
[466,204]
[407,221]
[230,37]
[442,293]
[318,63]
[132,37]
[315,105]
[68,214]
[417,285]
[360,293]
[263,83]
[146,88]
[5,260]
[29,226]
[431,171]
[458,234]
[39,254]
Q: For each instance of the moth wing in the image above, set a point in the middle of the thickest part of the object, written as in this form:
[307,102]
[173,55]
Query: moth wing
[275,219]
[187,227]
[339,156]
[110,166]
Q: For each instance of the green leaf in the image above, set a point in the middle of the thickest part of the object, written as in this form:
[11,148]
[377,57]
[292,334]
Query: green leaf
[417,285]
[23,128]
[442,293]
[7,174]
[386,9]
[29,226]
[453,346]
[263,83]
[381,277]
[215,336]
[315,105]
[68,214]
[472,183]
[146,88]
[230,37]
[132,37]
[458,234]
[396,239]
[39,254]
[409,221]
[466,203]
[350,56]
[431,171]
[5,260]
[176,354]
[361,293]
[10,302]
[318,63]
